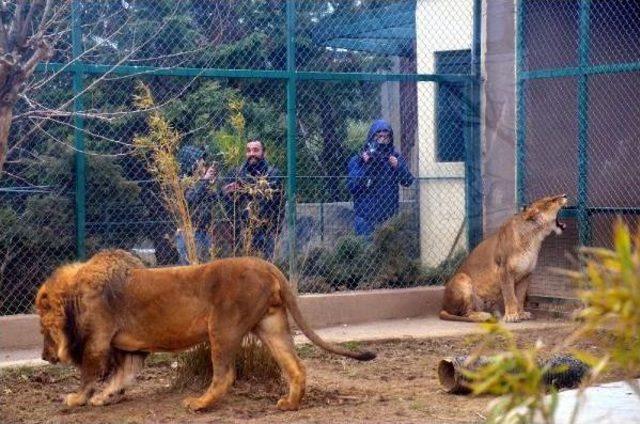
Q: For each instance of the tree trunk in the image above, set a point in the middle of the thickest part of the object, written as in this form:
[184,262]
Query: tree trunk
[6,113]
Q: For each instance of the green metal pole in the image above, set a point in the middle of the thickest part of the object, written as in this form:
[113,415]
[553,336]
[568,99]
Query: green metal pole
[78,120]
[473,151]
[584,230]
[520,106]
[291,135]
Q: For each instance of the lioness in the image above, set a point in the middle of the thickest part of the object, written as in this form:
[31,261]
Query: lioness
[107,314]
[496,274]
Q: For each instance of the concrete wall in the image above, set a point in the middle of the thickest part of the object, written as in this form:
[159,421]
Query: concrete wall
[22,331]
[498,105]
[440,25]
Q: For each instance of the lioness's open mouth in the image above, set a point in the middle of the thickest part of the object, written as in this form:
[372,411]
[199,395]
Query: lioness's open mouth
[560,226]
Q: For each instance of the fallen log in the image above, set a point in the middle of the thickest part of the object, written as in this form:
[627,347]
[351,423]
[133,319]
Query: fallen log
[561,372]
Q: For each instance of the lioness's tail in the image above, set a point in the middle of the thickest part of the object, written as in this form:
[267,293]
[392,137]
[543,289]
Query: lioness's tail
[471,317]
[293,308]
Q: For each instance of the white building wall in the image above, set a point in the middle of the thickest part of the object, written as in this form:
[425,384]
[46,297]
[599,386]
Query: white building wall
[440,25]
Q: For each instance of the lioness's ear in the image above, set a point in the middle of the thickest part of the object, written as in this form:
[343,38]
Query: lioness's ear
[531,213]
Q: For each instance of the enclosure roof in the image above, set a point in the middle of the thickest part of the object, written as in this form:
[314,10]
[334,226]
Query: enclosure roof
[388,30]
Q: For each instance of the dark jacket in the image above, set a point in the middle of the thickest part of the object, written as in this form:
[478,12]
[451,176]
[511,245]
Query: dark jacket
[271,209]
[202,198]
[374,184]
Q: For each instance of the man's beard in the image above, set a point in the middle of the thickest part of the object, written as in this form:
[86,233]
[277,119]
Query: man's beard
[254,160]
[254,164]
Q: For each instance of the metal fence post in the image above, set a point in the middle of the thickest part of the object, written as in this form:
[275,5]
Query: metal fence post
[584,230]
[78,121]
[473,141]
[291,135]
[520,106]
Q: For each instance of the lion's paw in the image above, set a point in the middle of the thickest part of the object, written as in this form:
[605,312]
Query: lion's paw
[511,318]
[285,404]
[75,399]
[102,399]
[194,404]
[525,316]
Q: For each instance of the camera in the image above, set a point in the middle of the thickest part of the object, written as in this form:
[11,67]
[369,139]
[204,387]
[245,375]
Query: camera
[374,150]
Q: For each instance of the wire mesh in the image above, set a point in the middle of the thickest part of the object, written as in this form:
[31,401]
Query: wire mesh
[368,214]
[580,63]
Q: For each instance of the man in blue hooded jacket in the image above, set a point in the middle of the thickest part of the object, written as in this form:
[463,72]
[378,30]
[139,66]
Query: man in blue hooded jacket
[374,176]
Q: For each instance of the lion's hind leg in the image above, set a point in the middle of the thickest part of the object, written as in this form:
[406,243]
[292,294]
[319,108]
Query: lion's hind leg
[274,332]
[128,366]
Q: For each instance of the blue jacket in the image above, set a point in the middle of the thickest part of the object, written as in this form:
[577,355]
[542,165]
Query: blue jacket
[374,185]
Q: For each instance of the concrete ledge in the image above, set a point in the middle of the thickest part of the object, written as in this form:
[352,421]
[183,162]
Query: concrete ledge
[19,332]
[321,310]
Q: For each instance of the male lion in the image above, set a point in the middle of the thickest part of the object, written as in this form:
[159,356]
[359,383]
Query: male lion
[495,276]
[107,314]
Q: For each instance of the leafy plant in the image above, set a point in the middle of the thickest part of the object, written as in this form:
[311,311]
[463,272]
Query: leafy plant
[159,149]
[515,375]
[609,282]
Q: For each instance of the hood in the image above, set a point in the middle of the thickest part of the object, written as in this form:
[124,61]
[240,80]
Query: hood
[379,125]
[188,157]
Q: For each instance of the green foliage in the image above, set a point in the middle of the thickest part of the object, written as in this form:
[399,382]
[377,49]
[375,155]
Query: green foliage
[515,376]
[609,281]
[610,290]
[391,259]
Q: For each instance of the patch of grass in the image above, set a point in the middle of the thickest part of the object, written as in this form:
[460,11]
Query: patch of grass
[253,362]
[352,345]
[305,351]
[160,359]
[57,372]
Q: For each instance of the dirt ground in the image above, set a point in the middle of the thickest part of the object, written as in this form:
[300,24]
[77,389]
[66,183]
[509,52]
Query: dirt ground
[400,386]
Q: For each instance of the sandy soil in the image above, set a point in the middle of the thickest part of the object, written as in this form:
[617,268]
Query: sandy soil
[401,385]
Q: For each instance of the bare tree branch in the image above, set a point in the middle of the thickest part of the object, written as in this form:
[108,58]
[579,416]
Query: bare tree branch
[23,30]
[16,24]
[41,26]
[4,46]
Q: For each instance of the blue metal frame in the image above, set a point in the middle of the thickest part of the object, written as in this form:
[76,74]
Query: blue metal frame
[78,69]
[473,150]
[80,172]
[584,230]
[291,135]
[520,105]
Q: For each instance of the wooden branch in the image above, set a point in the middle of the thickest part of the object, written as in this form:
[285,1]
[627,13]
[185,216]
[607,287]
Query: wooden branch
[56,13]
[22,34]
[16,23]
[4,46]
[42,52]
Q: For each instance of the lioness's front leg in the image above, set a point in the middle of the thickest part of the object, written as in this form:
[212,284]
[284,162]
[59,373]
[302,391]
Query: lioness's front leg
[507,285]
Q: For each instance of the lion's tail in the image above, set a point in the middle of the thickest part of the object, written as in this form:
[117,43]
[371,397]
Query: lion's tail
[471,317]
[293,308]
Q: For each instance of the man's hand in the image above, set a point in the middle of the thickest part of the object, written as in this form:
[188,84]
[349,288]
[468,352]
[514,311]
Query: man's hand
[393,161]
[231,187]
[366,157]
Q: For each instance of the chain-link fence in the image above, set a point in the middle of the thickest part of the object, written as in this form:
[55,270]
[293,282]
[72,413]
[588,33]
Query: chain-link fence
[344,201]
[359,203]
[578,123]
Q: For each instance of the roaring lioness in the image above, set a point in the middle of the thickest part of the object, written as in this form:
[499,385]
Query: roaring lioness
[107,314]
[496,274]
